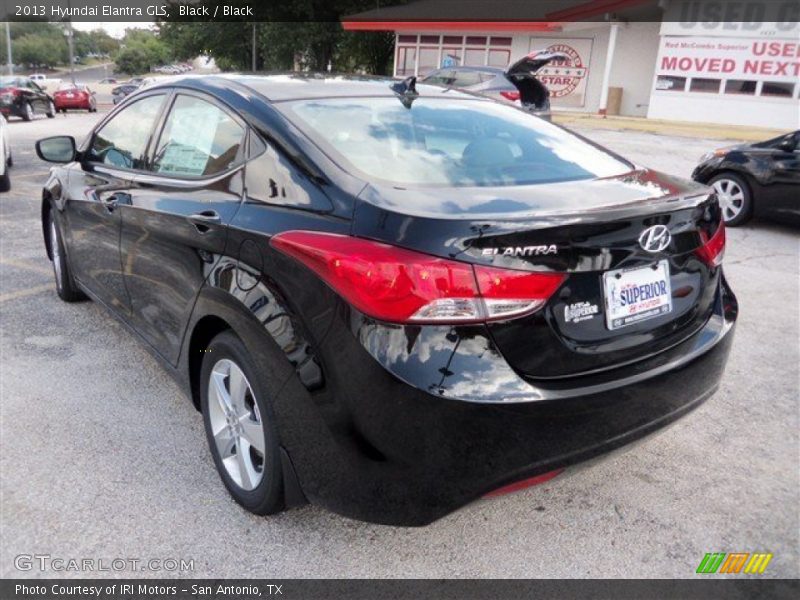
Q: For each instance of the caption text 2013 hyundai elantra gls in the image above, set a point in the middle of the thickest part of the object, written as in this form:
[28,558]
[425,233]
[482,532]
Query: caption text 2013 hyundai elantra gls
[386,298]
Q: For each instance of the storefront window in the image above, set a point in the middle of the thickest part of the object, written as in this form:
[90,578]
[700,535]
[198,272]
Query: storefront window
[406,59]
[428,60]
[474,57]
[499,58]
[777,88]
[701,84]
[670,83]
[740,86]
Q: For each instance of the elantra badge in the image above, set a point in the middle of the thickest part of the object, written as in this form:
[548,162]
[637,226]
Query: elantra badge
[655,239]
[522,250]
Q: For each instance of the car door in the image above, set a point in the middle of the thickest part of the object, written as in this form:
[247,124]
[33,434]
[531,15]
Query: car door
[785,193]
[96,188]
[175,227]
[39,99]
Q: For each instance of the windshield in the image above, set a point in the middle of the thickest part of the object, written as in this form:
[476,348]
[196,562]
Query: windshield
[450,142]
[10,81]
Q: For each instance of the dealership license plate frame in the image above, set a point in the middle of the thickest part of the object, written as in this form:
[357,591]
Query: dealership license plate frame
[615,280]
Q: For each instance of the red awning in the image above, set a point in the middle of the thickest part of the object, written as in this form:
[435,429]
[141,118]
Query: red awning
[451,26]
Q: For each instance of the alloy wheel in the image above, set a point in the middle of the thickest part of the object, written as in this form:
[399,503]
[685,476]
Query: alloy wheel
[55,249]
[236,424]
[28,111]
[731,198]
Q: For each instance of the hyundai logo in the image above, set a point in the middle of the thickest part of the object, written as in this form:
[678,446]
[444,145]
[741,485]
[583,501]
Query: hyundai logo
[655,239]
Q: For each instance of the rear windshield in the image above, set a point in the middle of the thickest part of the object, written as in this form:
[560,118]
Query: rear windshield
[449,142]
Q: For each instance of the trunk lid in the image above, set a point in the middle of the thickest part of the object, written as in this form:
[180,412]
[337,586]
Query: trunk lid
[522,74]
[597,237]
[530,64]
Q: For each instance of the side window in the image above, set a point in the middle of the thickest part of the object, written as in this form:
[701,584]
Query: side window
[440,77]
[466,78]
[122,141]
[198,139]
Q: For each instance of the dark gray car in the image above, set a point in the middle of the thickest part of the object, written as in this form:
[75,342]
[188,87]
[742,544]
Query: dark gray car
[517,84]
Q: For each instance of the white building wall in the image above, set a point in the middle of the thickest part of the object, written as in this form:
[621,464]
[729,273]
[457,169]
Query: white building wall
[634,66]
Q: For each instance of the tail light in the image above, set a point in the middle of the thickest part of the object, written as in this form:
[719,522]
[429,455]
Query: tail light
[713,249]
[10,93]
[513,96]
[403,286]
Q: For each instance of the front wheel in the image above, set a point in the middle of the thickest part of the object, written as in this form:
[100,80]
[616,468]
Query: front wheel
[735,198]
[5,181]
[66,288]
[27,112]
[239,425]
[51,110]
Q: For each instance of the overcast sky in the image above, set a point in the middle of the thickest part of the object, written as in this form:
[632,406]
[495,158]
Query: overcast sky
[115,29]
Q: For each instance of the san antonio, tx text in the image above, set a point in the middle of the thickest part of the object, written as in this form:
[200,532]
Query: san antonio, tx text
[84,591]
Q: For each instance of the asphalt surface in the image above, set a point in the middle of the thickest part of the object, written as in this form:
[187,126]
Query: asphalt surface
[103,457]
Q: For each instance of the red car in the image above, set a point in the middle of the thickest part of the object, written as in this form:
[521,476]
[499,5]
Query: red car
[75,97]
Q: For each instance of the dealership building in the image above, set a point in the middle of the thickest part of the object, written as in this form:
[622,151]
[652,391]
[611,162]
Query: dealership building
[688,60]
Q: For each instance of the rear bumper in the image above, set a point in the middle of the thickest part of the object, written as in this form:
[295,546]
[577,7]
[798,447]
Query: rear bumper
[11,110]
[398,443]
[72,104]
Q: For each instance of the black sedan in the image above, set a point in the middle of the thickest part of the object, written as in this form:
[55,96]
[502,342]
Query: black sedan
[22,97]
[119,93]
[761,179]
[385,298]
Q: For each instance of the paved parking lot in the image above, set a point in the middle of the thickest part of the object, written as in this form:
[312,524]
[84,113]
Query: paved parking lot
[102,457]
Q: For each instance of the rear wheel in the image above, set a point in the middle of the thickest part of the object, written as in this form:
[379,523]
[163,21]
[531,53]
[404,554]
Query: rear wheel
[27,112]
[735,198]
[239,426]
[66,288]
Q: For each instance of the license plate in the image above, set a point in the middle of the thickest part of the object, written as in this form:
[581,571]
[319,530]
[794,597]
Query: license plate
[634,295]
[69,96]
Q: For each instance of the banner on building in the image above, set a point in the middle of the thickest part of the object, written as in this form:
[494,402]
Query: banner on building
[728,65]
[565,79]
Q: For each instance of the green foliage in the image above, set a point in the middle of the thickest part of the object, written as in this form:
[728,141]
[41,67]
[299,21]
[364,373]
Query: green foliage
[96,41]
[140,50]
[305,34]
[40,50]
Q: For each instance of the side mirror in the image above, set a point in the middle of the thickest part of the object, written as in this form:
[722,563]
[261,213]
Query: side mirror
[787,144]
[57,149]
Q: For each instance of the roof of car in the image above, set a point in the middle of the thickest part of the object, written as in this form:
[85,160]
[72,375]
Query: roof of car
[294,86]
[497,70]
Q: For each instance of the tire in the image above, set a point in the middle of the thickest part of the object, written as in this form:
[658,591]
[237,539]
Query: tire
[10,160]
[66,288]
[735,198]
[27,112]
[51,110]
[252,477]
[5,181]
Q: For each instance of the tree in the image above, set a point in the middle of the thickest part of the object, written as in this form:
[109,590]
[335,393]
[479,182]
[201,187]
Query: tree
[141,49]
[305,33]
[132,60]
[103,43]
[40,50]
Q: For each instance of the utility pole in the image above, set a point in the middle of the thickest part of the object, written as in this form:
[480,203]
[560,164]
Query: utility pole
[71,53]
[69,44]
[8,49]
[254,47]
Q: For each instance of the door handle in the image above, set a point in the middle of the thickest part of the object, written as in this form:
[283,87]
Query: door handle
[203,219]
[111,202]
